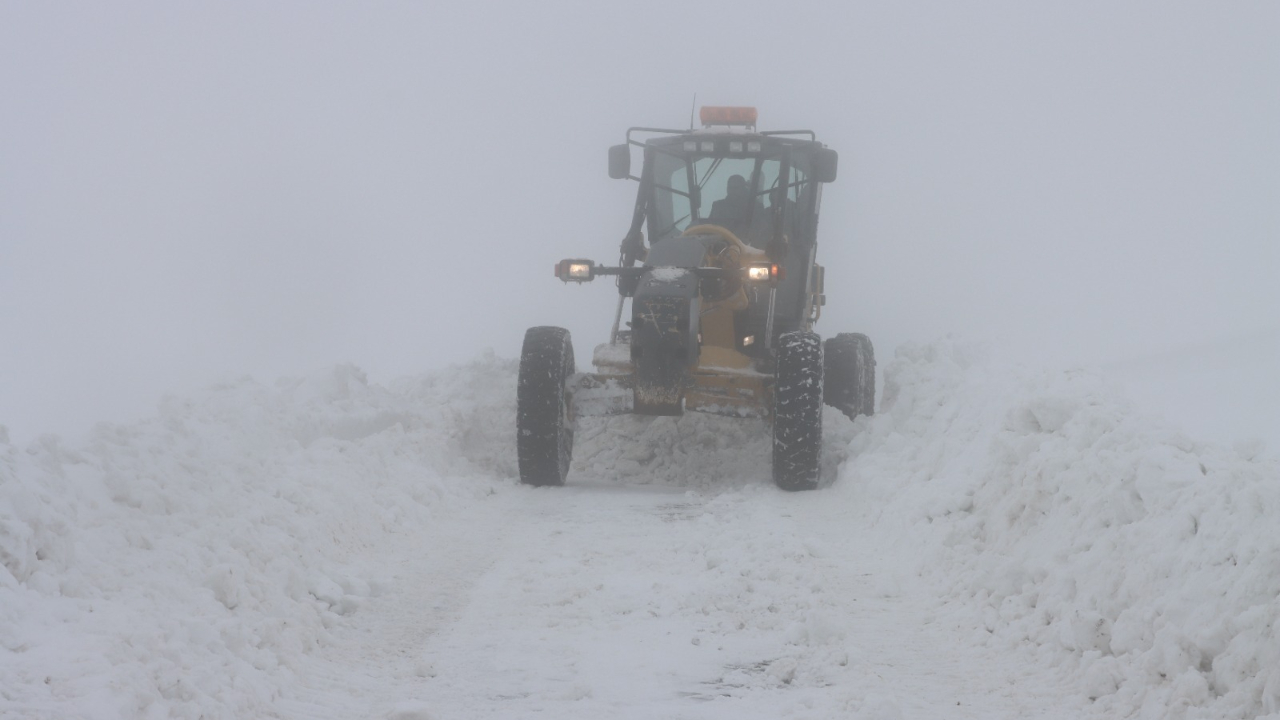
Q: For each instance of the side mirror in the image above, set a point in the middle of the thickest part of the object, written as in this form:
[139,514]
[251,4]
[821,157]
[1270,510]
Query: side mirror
[824,165]
[620,162]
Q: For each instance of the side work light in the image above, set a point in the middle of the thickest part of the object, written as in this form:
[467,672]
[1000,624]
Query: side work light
[575,270]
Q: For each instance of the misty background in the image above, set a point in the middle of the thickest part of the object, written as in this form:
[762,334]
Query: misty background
[190,192]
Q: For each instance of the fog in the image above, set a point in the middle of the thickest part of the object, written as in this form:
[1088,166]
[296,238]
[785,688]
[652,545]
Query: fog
[194,192]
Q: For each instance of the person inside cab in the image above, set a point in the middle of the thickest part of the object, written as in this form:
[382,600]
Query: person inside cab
[734,211]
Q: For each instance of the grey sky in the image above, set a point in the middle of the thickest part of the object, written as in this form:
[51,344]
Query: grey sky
[191,191]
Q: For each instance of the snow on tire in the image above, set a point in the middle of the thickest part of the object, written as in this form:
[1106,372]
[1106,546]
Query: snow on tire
[797,411]
[849,379]
[544,419]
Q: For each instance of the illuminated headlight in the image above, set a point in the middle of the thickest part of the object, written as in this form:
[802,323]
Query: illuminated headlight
[690,145]
[575,270]
[708,146]
[753,146]
[748,340]
[735,146]
[760,273]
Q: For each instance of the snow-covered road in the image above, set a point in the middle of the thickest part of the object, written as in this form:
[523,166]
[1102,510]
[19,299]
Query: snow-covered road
[638,601]
[996,543]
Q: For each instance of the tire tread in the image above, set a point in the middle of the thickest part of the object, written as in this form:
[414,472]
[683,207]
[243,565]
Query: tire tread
[544,430]
[797,417]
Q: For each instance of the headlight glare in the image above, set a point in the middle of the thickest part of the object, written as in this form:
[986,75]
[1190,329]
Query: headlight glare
[762,273]
[575,270]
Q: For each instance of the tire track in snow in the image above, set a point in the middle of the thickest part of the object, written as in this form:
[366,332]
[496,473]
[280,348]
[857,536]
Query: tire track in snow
[599,600]
[376,655]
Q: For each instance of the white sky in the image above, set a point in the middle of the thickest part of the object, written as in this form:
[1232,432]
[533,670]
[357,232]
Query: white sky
[190,191]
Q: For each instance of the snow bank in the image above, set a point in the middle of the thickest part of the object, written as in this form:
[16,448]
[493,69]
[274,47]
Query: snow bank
[1060,523]
[181,566]
[188,565]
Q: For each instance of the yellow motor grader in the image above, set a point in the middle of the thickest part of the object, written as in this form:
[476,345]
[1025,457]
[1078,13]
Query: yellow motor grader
[723,301]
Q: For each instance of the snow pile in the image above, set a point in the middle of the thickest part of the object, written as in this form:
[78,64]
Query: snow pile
[192,564]
[182,566]
[1062,524]
[695,450]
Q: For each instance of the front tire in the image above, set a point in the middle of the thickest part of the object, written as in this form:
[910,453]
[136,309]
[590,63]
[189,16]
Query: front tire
[797,412]
[544,417]
[850,378]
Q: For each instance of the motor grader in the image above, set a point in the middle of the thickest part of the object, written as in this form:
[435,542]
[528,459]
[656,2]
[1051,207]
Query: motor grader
[723,299]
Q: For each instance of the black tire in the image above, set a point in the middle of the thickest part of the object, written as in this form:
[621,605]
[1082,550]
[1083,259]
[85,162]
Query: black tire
[797,412]
[544,416]
[849,381]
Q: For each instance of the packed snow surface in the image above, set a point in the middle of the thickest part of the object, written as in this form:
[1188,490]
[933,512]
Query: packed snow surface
[997,542]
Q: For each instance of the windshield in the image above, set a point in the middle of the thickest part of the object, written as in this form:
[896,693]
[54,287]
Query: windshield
[733,192]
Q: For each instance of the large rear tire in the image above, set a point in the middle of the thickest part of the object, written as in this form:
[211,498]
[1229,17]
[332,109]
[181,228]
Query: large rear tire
[849,382]
[797,412]
[544,415]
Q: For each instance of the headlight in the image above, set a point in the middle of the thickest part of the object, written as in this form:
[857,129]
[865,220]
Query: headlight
[762,273]
[575,270]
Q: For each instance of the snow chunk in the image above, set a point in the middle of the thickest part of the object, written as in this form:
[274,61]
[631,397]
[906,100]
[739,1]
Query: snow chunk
[668,274]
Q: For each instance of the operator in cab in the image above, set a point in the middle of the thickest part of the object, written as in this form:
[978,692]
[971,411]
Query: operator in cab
[734,212]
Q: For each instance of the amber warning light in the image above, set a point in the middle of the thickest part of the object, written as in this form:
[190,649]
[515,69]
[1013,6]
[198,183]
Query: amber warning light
[728,116]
